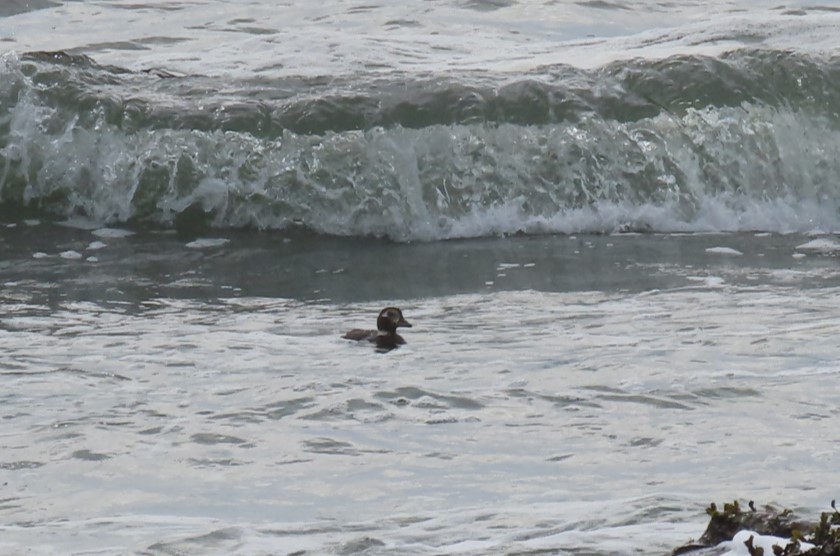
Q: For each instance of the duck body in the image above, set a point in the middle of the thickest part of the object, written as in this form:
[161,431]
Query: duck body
[385,336]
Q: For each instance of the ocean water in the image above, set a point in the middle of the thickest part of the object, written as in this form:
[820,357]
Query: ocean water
[613,226]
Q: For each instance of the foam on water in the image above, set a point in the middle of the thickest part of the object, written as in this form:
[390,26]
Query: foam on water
[474,531]
[820,245]
[207,242]
[187,390]
[112,233]
[334,38]
[421,122]
[724,251]
[763,542]
[540,421]
[427,155]
[705,171]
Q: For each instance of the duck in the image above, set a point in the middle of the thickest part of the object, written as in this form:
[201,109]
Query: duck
[385,336]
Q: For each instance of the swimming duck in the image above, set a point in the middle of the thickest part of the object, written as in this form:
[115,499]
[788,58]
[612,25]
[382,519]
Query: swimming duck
[385,336]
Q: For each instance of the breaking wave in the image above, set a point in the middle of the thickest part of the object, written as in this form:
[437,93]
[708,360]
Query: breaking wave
[743,141]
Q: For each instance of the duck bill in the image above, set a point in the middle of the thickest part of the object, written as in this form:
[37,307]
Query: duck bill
[403,323]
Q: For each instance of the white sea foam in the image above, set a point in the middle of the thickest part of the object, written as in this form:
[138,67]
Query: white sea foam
[708,281]
[425,184]
[207,242]
[252,416]
[262,423]
[331,38]
[542,384]
[112,233]
[737,546]
[823,246]
[723,251]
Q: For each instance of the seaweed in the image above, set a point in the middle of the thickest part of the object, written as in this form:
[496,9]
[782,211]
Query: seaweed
[725,523]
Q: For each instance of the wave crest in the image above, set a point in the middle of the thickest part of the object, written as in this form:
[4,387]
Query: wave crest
[642,145]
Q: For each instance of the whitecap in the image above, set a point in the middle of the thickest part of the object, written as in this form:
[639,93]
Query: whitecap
[95,245]
[70,255]
[112,233]
[724,251]
[824,246]
[710,281]
[204,243]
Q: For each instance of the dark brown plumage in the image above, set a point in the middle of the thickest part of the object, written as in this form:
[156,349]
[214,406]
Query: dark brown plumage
[385,336]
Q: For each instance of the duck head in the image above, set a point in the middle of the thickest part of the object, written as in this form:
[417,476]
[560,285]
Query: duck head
[391,318]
